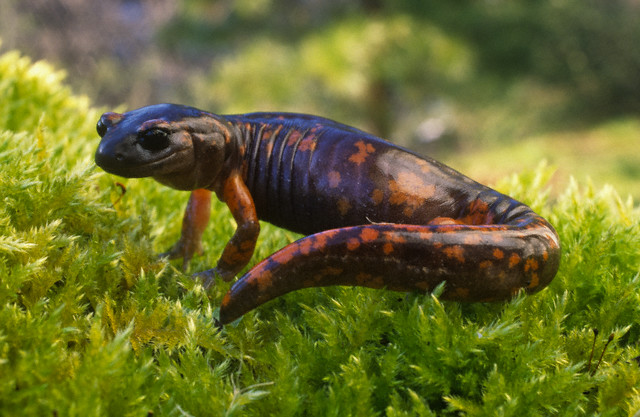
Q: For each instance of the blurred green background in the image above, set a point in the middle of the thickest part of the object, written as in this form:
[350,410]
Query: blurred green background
[490,87]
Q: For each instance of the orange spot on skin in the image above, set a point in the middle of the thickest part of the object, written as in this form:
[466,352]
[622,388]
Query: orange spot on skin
[343,206]
[410,190]
[285,254]
[320,240]
[330,234]
[293,138]
[479,206]
[364,150]
[150,124]
[496,238]
[514,260]
[545,255]
[231,255]
[377,196]
[334,179]
[322,274]
[394,237]
[377,282]
[260,268]
[113,117]
[472,238]
[330,270]
[426,236]
[422,285]
[531,264]
[307,144]
[424,166]
[387,248]
[461,293]
[264,281]
[485,264]
[478,213]
[266,134]
[362,278]
[369,234]
[553,240]
[397,193]
[353,244]
[305,246]
[247,245]
[440,221]
[498,254]
[226,300]
[456,252]
[535,281]
[368,280]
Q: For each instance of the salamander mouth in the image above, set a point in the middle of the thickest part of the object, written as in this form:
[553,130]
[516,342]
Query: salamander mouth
[125,167]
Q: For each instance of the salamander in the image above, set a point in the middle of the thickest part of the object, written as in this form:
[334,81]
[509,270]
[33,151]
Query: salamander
[374,214]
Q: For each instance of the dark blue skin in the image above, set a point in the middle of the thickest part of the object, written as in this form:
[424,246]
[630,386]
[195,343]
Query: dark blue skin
[379,215]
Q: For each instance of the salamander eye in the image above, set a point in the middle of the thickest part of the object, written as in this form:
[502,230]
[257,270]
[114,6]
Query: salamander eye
[101,128]
[154,139]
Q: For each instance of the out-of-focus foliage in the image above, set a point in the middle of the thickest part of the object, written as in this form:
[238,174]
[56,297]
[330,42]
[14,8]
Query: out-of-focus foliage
[586,46]
[106,47]
[370,71]
[387,58]
[413,48]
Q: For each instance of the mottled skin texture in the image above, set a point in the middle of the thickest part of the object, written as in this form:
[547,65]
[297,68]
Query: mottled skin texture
[377,215]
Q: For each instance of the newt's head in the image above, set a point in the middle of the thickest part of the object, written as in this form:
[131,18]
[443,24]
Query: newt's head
[180,146]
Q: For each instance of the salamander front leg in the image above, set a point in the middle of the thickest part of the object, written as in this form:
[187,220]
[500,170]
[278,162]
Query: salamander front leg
[239,249]
[195,220]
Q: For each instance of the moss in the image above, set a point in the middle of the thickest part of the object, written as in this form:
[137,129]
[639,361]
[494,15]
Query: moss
[91,323]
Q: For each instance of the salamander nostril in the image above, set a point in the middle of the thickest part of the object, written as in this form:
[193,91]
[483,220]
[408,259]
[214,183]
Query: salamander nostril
[119,157]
